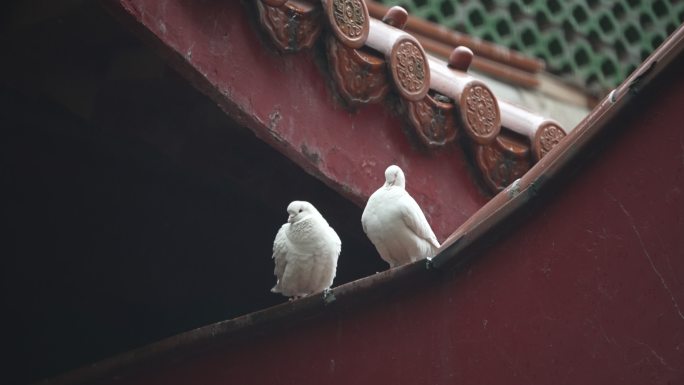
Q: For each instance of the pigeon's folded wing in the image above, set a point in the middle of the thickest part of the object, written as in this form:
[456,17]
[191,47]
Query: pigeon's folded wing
[280,251]
[335,240]
[415,220]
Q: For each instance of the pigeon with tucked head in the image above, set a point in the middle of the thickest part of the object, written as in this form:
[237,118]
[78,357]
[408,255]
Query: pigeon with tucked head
[395,224]
[305,251]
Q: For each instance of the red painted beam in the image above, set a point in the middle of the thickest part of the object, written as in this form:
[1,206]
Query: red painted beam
[287,101]
[588,290]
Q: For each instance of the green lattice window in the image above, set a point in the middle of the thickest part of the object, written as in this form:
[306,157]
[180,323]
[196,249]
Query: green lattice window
[591,43]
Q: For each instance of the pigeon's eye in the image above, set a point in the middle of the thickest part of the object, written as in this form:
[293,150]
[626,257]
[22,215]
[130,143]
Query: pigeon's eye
[300,210]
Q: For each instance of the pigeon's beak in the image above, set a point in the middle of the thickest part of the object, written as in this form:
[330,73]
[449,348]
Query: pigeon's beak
[290,218]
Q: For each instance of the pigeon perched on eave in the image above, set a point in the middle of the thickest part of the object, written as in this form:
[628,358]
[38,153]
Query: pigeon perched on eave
[305,251]
[395,224]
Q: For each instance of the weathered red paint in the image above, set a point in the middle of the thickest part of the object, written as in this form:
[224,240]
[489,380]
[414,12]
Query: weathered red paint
[287,101]
[587,290]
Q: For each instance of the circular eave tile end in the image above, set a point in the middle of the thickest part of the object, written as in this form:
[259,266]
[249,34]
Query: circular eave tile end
[409,67]
[480,112]
[349,21]
[548,135]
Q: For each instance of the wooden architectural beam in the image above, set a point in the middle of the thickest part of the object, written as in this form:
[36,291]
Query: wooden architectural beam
[286,100]
[547,301]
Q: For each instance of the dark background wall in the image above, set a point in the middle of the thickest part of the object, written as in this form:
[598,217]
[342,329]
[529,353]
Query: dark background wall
[134,209]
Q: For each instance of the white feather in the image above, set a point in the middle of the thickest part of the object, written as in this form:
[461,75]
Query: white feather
[396,225]
[305,251]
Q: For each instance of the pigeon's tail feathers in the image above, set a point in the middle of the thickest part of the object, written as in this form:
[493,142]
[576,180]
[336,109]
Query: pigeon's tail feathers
[415,220]
[433,240]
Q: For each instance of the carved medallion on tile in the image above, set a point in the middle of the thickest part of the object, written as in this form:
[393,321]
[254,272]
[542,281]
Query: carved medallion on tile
[349,21]
[480,112]
[546,138]
[410,71]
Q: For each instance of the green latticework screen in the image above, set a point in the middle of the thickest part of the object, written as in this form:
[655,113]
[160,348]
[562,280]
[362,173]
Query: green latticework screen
[591,43]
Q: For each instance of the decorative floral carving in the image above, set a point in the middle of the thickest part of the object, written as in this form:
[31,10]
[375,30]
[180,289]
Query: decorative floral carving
[349,21]
[546,138]
[410,66]
[480,112]
[360,77]
[503,161]
[434,120]
[410,69]
[349,17]
[293,26]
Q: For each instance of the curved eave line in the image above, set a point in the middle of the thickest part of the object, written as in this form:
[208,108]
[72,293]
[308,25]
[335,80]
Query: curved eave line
[475,229]
[520,192]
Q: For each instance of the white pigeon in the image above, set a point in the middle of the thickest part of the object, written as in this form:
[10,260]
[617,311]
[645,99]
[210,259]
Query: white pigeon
[305,251]
[395,224]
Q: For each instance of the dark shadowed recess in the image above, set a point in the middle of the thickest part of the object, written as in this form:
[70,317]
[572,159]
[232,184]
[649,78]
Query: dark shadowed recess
[134,208]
